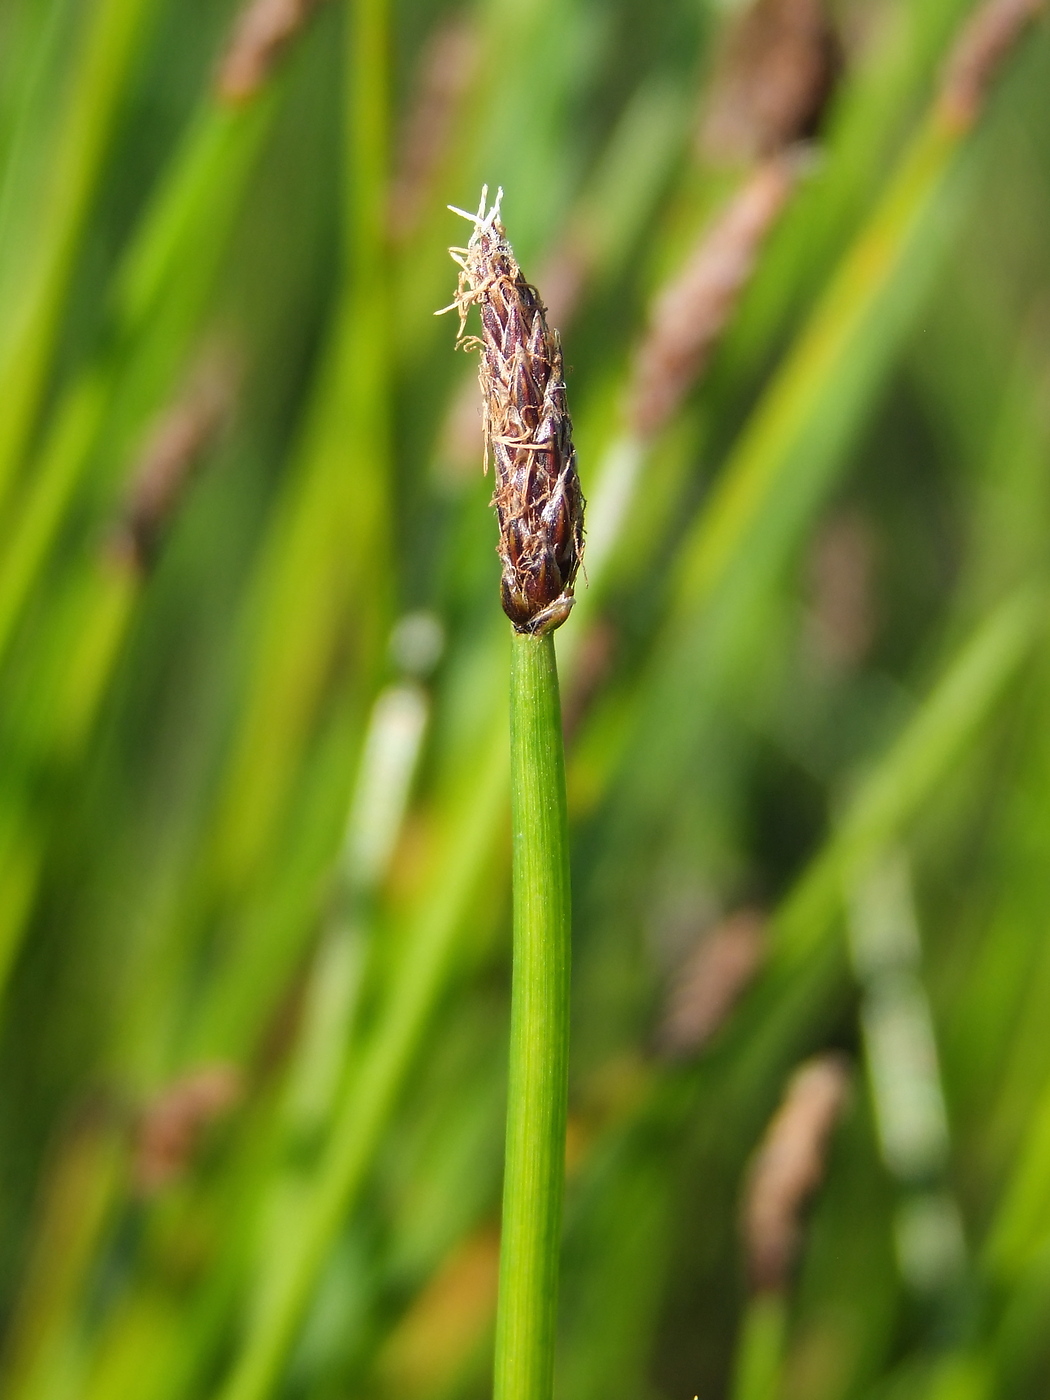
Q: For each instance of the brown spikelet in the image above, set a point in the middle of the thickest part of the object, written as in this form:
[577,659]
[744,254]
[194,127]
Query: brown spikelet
[710,982]
[789,1166]
[595,658]
[691,312]
[563,278]
[166,463]
[447,65]
[978,54]
[261,32]
[172,1125]
[776,73]
[528,432]
[843,613]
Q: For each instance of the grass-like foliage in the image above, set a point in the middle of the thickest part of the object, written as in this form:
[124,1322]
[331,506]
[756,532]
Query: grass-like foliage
[256,781]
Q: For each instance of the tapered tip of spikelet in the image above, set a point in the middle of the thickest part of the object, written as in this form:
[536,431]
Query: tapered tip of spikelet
[528,432]
[487,235]
[482,221]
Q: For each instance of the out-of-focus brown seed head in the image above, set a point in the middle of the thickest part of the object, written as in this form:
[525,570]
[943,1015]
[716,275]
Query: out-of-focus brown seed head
[710,982]
[595,658]
[693,309]
[261,32]
[789,1166]
[528,432]
[564,276]
[446,67]
[843,616]
[171,1126]
[978,54]
[169,456]
[776,73]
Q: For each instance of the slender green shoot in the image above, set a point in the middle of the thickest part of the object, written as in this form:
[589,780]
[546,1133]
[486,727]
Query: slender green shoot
[760,1349]
[539,1035]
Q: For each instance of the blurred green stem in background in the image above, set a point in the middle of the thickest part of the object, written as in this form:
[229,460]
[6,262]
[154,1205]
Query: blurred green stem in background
[539,1029]
[70,174]
[760,1347]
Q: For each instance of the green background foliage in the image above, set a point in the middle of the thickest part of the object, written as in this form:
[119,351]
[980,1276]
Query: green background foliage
[254,840]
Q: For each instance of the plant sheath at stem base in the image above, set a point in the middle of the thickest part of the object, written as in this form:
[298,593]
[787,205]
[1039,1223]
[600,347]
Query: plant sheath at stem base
[539,1035]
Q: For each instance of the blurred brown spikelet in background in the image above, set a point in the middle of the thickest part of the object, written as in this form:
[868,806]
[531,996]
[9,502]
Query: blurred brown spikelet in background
[595,659]
[169,457]
[710,982]
[842,618]
[690,313]
[775,76]
[446,67]
[172,1125]
[789,1166]
[978,54]
[261,32]
[528,431]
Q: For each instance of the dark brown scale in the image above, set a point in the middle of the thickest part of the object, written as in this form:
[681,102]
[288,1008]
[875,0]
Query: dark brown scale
[538,501]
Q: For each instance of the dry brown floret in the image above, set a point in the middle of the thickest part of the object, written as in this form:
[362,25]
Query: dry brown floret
[528,432]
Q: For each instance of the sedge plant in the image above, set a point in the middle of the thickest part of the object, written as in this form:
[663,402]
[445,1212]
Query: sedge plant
[783,559]
[539,506]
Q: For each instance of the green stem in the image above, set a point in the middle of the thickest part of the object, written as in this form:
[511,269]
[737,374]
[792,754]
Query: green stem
[539,1034]
[760,1349]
